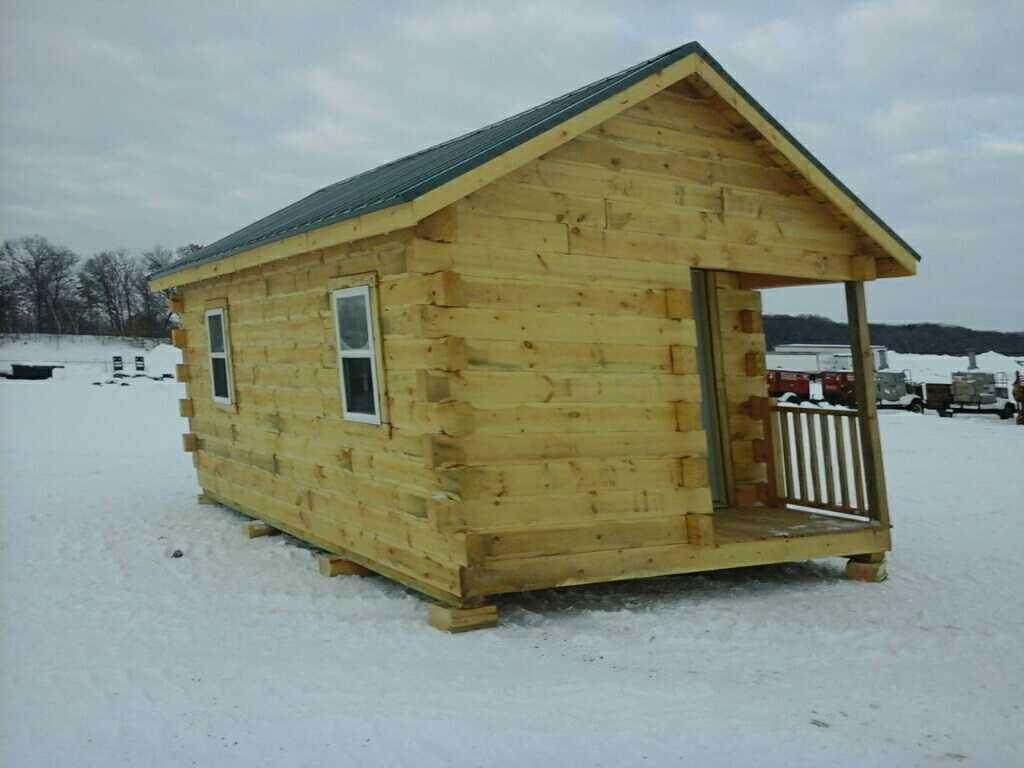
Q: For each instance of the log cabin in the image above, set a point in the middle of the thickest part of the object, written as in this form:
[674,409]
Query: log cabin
[532,356]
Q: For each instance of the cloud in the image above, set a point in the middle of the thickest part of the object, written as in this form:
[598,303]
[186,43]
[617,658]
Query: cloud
[326,136]
[775,45]
[931,156]
[127,124]
[1013,148]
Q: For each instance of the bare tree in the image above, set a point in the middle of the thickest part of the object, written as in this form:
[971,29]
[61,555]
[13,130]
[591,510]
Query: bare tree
[185,251]
[10,301]
[41,290]
[44,276]
[108,285]
[155,317]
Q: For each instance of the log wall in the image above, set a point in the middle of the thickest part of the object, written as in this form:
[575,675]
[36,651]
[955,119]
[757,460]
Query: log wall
[571,295]
[539,364]
[282,452]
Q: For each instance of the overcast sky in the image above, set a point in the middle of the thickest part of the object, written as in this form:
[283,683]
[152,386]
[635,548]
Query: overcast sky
[130,124]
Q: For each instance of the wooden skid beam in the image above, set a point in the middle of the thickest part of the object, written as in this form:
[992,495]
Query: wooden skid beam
[256,529]
[413,582]
[330,565]
[181,372]
[857,570]
[449,619]
[202,498]
[189,442]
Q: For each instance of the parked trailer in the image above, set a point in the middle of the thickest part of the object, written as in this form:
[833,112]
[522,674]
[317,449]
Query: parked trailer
[828,357]
[893,390]
[1018,395]
[804,362]
[31,371]
[972,392]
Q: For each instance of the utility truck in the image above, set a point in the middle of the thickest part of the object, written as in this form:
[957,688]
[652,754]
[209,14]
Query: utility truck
[893,389]
[972,392]
[1018,395]
[821,373]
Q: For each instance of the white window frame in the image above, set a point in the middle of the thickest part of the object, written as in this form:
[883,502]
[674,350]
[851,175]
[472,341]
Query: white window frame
[222,313]
[369,353]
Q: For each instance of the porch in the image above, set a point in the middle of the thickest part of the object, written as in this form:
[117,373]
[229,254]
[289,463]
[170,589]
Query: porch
[824,492]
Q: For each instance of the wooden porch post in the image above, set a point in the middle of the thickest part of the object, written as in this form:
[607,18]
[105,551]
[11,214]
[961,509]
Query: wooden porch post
[864,386]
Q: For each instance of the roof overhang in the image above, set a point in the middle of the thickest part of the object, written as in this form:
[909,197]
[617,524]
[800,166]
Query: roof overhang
[692,60]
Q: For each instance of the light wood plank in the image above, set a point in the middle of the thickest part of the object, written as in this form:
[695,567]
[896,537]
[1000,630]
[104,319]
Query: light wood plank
[864,386]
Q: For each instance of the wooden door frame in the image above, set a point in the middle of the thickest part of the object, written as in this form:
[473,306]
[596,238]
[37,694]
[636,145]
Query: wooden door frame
[716,359]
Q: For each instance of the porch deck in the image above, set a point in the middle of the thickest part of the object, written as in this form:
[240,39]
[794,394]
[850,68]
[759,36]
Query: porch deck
[528,559]
[735,525]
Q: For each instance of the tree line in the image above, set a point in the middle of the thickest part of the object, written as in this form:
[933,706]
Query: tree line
[47,288]
[919,338]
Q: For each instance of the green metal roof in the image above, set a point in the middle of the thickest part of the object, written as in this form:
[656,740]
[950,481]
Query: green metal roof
[403,180]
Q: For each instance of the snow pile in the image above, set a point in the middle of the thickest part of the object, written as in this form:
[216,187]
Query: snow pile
[237,653]
[88,356]
[936,369]
[54,348]
[162,359]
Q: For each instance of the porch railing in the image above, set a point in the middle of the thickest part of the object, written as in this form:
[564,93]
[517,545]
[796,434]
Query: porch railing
[815,459]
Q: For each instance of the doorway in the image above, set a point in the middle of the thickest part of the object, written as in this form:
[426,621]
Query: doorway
[705,315]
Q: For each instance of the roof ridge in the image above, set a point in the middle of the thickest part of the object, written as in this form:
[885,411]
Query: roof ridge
[502,121]
[406,178]
[406,190]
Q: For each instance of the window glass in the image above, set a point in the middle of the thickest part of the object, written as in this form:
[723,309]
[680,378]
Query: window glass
[220,377]
[358,376]
[216,332]
[357,348]
[220,364]
[352,325]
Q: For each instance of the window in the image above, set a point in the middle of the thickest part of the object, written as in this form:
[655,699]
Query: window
[357,354]
[220,359]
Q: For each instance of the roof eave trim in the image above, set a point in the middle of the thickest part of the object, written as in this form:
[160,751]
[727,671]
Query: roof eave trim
[424,198]
[781,139]
[423,202]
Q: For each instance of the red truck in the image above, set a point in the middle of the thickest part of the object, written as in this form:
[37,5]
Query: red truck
[793,386]
[837,388]
[893,389]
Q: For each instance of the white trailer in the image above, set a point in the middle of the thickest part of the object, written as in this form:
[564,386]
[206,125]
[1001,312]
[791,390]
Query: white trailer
[833,357]
[804,362]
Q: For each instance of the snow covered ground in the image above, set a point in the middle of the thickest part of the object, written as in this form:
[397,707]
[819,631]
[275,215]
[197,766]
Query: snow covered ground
[113,652]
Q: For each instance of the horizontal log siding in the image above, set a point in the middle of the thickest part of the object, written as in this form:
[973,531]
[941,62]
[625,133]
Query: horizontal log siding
[283,451]
[539,362]
[741,385]
[572,307]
